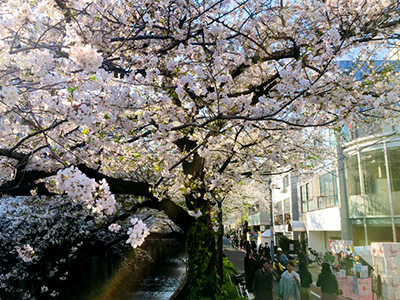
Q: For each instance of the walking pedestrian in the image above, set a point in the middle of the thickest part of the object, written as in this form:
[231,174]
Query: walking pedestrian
[289,284]
[250,267]
[268,251]
[328,283]
[262,284]
[254,246]
[247,246]
[305,281]
[236,242]
[264,257]
[260,249]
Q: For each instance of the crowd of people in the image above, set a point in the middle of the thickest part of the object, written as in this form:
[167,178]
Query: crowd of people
[293,285]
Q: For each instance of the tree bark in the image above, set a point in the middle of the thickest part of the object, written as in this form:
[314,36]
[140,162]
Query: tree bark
[220,245]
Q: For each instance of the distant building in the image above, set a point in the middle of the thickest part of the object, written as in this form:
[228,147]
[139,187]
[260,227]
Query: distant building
[285,206]
[320,211]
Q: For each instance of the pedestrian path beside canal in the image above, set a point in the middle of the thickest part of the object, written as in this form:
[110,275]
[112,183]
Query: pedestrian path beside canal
[237,258]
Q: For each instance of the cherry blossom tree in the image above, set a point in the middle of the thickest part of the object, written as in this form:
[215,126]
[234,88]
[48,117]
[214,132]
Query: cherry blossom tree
[173,101]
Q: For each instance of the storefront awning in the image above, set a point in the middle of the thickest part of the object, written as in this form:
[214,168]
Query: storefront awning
[266,233]
[297,226]
[365,253]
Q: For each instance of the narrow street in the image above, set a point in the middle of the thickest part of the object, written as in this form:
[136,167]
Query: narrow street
[237,258]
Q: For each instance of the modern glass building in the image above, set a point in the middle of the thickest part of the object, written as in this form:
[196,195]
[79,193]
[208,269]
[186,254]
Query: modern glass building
[372,174]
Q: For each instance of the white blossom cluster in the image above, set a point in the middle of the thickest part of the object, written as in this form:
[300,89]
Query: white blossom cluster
[137,233]
[196,214]
[26,253]
[37,224]
[114,227]
[10,95]
[87,57]
[6,170]
[30,226]
[81,188]
[44,289]
[249,92]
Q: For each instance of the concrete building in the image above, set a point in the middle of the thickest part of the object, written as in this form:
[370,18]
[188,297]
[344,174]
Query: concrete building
[320,209]
[285,206]
[355,197]
[372,172]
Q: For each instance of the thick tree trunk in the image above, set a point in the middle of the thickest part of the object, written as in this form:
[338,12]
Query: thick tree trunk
[202,260]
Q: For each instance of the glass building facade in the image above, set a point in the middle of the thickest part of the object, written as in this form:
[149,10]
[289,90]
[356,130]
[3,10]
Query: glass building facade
[373,190]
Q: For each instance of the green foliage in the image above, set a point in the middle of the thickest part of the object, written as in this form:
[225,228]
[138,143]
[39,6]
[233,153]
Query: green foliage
[203,276]
[228,266]
[347,263]
[303,246]
[303,242]
[71,90]
[329,258]
[228,291]
[202,264]
[283,242]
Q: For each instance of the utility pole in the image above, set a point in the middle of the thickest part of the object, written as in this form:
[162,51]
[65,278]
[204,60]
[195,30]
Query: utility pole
[271,215]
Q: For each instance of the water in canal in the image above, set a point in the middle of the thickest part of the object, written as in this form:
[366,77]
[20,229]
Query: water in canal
[163,282]
[159,283]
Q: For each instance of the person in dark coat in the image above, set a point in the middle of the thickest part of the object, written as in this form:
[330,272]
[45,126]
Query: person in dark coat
[262,284]
[263,258]
[250,267]
[247,246]
[254,246]
[260,249]
[268,251]
[328,283]
[305,281]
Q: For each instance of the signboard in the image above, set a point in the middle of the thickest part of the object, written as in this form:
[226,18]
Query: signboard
[344,246]
[363,287]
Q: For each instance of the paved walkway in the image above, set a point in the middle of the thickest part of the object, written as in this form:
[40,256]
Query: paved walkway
[237,258]
[315,270]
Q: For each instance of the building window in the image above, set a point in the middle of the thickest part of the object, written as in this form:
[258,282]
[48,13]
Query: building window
[278,213]
[306,202]
[356,206]
[358,235]
[286,205]
[353,176]
[376,198]
[328,191]
[285,183]
[287,218]
[394,167]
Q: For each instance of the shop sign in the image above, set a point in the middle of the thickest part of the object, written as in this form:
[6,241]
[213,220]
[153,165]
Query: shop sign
[344,246]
